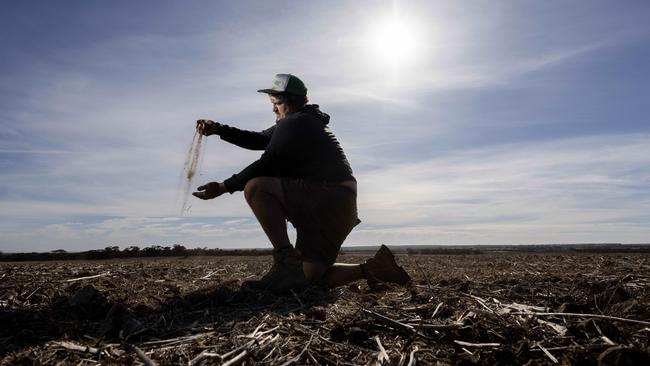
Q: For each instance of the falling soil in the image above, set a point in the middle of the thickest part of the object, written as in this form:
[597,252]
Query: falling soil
[192,164]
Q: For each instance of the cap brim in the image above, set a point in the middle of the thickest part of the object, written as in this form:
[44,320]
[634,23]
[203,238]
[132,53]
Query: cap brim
[269,91]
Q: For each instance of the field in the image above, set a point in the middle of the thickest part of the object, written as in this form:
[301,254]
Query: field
[459,309]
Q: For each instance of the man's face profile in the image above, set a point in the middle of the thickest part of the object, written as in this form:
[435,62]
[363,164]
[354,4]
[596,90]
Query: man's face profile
[280,108]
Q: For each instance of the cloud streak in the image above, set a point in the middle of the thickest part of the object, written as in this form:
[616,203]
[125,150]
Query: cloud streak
[573,190]
[544,187]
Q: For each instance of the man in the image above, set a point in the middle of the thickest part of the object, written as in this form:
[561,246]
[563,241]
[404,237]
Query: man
[302,177]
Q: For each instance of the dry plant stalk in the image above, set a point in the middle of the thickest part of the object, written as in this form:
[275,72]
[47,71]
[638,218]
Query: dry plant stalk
[88,277]
[143,357]
[580,315]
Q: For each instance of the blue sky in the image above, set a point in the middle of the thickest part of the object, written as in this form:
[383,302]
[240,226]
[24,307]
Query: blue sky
[509,122]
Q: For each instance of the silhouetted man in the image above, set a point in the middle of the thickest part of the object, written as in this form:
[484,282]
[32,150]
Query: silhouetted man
[302,177]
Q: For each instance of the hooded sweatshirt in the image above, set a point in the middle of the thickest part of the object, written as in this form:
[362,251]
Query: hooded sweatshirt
[299,146]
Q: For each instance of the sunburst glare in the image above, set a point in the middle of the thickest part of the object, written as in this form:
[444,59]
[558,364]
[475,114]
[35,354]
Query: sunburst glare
[393,42]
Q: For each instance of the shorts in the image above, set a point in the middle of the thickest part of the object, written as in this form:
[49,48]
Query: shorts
[323,215]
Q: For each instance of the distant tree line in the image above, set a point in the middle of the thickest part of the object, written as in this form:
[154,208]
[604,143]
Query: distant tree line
[442,251]
[112,252]
[178,250]
[615,250]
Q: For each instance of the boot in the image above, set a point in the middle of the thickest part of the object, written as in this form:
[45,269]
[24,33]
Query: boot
[285,274]
[383,268]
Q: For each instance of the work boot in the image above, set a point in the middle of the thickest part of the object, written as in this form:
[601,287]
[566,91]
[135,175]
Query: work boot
[383,268]
[285,274]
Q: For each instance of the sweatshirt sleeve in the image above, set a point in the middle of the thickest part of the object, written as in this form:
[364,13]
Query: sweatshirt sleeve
[247,139]
[272,160]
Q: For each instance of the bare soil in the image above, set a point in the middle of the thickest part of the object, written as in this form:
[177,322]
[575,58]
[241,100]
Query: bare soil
[464,309]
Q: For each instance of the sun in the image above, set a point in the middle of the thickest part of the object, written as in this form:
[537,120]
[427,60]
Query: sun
[393,42]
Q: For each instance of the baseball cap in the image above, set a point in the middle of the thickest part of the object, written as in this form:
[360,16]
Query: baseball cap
[286,83]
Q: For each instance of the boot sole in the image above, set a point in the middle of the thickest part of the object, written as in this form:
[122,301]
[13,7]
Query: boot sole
[389,258]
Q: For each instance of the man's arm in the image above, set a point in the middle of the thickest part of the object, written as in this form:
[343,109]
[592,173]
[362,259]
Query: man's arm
[247,139]
[280,152]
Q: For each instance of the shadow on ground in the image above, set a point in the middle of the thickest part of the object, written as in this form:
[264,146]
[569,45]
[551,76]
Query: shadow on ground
[89,314]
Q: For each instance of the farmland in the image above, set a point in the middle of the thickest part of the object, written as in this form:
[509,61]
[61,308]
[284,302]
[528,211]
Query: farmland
[485,309]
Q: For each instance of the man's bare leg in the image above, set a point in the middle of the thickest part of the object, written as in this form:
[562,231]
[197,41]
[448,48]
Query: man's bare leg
[380,268]
[266,198]
[338,274]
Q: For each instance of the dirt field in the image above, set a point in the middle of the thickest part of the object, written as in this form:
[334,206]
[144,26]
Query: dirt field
[458,310]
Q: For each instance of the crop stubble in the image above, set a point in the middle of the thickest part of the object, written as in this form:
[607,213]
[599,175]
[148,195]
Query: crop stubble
[468,309]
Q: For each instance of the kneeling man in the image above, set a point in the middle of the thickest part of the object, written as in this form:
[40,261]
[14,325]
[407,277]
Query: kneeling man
[302,177]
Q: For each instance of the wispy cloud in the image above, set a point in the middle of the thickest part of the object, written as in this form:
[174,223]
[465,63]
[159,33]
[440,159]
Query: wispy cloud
[545,188]
[589,189]
[141,231]
[37,151]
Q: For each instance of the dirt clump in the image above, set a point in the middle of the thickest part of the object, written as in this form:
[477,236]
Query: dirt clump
[623,356]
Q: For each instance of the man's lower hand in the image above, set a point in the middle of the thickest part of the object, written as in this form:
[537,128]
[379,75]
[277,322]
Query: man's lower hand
[210,191]
[207,127]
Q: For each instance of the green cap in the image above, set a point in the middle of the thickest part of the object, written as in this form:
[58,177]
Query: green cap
[286,83]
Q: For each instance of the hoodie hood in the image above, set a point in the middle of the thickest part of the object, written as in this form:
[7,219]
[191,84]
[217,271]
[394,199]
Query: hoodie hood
[312,109]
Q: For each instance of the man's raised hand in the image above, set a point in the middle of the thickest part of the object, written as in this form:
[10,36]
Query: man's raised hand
[210,191]
[207,127]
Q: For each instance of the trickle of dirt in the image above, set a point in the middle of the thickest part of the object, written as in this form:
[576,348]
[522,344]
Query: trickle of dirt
[192,164]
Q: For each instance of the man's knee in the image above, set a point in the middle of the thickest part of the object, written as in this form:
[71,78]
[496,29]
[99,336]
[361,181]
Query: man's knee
[262,184]
[315,272]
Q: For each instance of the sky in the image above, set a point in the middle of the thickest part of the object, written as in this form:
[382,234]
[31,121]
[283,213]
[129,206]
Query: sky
[482,122]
